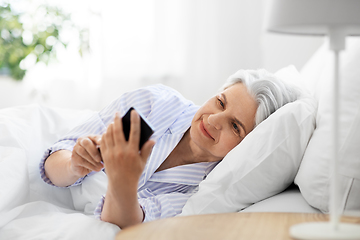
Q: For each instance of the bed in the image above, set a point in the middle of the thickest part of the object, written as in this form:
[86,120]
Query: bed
[289,172]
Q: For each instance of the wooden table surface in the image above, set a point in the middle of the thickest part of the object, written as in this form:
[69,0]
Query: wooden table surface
[224,226]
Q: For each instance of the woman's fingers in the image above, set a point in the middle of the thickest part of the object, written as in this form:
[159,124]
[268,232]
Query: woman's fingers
[108,140]
[90,145]
[134,136]
[84,163]
[119,137]
[115,136]
[96,139]
[87,151]
[114,140]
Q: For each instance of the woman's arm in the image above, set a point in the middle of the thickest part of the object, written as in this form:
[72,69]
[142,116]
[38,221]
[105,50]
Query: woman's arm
[124,164]
[121,207]
[143,99]
[64,168]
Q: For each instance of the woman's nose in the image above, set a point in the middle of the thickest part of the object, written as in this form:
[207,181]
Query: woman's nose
[215,120]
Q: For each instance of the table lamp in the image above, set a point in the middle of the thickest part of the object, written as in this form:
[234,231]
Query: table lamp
[335,19]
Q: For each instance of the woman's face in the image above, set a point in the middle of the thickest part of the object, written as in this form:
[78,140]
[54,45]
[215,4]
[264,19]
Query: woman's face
[223,121]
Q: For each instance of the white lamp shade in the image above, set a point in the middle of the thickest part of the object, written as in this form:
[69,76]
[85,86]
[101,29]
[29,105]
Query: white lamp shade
[313,17]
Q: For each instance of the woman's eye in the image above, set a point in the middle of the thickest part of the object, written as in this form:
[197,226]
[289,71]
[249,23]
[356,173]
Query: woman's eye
[236,127]
[221,103]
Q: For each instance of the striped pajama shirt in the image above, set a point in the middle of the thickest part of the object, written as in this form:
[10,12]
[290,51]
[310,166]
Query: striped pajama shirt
[161,194]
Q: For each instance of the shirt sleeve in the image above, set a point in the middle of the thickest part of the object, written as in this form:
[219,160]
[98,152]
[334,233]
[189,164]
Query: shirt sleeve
[142,99]
[156,207]
[163,205]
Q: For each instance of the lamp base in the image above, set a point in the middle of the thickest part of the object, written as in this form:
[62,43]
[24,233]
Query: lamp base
[324,230]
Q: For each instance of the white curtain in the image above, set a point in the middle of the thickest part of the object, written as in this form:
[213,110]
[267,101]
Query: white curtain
[191,45]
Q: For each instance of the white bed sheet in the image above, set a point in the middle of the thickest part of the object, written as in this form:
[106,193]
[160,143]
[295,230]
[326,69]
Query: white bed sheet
[29,208]
[289,200]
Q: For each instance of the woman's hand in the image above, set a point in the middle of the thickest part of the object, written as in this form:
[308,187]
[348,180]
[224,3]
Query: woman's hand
[64,167]
[124,162]
[85,156]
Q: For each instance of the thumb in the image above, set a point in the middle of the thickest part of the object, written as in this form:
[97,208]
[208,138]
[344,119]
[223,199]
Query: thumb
[96,139]
[146,149]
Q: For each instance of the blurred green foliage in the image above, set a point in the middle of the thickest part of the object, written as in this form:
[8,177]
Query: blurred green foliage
[16,42]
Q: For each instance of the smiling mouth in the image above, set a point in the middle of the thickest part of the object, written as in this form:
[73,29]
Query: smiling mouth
[204,131]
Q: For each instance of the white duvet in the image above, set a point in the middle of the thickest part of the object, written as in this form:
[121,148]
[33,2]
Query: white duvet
[29,208]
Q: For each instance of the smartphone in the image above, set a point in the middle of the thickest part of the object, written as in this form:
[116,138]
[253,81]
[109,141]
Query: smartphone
[145,127]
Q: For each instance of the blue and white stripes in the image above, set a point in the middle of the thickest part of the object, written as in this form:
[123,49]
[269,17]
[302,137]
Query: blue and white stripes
[161,194]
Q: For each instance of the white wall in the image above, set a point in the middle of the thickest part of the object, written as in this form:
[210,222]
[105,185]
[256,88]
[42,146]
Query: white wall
[281,50]
[191,45]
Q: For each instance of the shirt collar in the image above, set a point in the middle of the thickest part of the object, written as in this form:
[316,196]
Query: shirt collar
[189,174]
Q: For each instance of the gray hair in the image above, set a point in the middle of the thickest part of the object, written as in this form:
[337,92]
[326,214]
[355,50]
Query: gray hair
[269,91]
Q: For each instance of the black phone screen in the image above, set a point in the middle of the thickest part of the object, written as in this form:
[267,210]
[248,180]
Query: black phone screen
[145,131]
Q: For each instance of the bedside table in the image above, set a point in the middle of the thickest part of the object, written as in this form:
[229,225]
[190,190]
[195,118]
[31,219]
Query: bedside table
[224,226]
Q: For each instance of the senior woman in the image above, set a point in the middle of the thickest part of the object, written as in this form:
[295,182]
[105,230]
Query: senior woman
[187,143]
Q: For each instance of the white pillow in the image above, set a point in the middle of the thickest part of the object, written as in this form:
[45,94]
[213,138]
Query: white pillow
[264,164]
[313,177]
